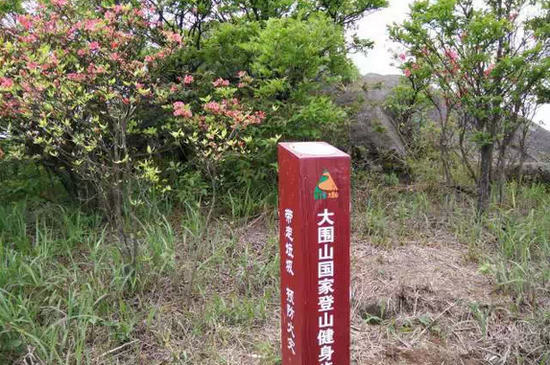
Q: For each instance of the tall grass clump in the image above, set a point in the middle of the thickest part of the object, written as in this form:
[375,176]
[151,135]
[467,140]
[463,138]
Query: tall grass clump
[66,296]
[521,229]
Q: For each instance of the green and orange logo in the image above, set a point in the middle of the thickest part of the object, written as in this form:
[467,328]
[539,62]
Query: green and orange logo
[326,187]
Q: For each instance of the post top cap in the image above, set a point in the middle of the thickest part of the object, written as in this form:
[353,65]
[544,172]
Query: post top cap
[312,149]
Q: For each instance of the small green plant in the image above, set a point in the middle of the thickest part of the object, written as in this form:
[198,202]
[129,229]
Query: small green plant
[481,315]
[391,179]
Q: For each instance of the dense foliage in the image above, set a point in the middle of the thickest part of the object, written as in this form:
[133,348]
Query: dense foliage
[490,64]
[278,57]
[74,86]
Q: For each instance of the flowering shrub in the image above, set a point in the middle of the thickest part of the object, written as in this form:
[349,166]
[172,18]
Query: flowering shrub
[488,64]
[72,83]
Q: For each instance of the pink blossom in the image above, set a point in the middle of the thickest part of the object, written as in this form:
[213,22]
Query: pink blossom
[149,59]
[60,3]
[6,83]
[188,79]
[82,52]
[26,86]
[91,68]
[236,115]
[173,88]
[114,45]
[72,30]
[402,56]
[139,86]
[260,115]
[114,57]
[32,65]
[241,74]
[451,54]
[220,82]
[126,101]
[25,21]
[241,85]
[118,8]
[31,38]
[91,24]
[94,46]
[73,76]
[415,66]
[174,37]
[70,33]
[109,15]
[212,107]
[408,72]
[181,110]
[50,26]
[488,71]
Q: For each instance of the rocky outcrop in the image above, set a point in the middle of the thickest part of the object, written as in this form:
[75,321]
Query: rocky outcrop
[374,135]
[538,145]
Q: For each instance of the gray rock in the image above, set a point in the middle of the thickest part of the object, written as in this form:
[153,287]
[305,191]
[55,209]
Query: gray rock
[538,144]
[374,135]
[373,131]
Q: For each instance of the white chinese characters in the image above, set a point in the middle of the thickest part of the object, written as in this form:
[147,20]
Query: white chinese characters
[289,292]
[325,275]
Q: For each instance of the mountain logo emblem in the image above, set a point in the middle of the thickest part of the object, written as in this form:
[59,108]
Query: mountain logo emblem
[326,187]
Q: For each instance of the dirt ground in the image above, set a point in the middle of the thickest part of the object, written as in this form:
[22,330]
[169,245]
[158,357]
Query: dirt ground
[421,296]
[434,307]
[418,303]
[426,303]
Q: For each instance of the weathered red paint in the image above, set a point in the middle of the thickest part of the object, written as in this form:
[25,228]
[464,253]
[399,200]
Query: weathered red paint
[300,168]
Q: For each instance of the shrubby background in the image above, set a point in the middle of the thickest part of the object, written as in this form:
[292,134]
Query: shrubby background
[138,182]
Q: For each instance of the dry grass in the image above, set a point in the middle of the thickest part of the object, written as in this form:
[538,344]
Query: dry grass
[421,292]
[412,304]
[427,298]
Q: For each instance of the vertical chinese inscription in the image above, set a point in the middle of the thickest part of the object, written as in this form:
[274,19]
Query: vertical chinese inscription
[314,254]
[289,291]
[325,276]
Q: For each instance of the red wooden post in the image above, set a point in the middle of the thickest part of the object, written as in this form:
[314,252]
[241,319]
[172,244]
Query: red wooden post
[314,213]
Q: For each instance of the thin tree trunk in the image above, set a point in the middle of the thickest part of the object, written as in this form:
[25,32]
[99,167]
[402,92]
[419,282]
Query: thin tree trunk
[484,182]
[501,171]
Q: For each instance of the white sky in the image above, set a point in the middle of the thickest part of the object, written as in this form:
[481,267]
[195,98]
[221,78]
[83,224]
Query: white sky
[380,59]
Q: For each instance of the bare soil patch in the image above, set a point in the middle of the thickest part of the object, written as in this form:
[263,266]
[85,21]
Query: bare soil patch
[426,304]
[420,303]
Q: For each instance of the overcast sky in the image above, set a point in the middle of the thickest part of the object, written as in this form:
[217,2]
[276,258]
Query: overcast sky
[380,59]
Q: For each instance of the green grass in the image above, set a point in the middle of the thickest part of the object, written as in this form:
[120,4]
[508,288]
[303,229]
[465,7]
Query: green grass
[202,291]
[511,242]
[66,296]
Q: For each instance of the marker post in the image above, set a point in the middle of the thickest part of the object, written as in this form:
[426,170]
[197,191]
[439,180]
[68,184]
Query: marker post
[314,214]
